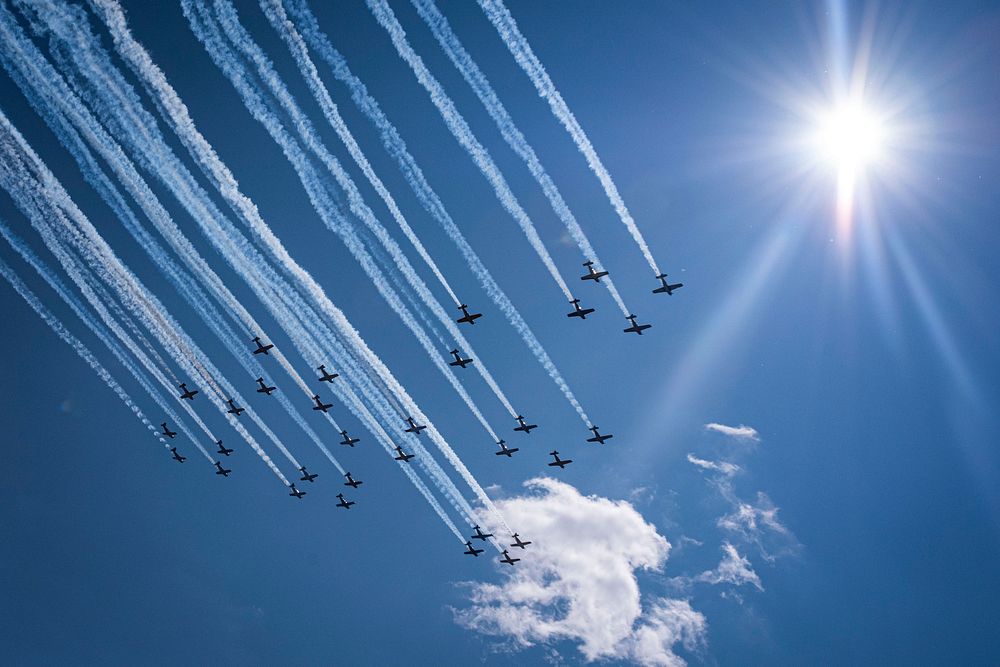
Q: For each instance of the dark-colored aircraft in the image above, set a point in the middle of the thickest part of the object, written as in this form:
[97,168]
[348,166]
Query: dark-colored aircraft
[414,427]
[592,274]
[402,456]
[188,393]
[518,542]
[598,438]
[219,470]
[578,311]
[459,361]
[504,450]
[233,409]
[177,457]
[348,440]
[320,405]
[326,376]
[480,535]
[307,477]
[526,428]
[471,550]
[508,559]
[261,348]
[351,482]
[665,286]
[223,450]
[295,492]
[558,461]
[346,504]
[167,432]
[635,328]
[264,389]
[467,317]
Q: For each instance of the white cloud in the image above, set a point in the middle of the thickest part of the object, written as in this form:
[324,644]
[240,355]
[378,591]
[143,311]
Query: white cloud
[740,432]
[732,569]
[726,468]
[578,581]
[758,522]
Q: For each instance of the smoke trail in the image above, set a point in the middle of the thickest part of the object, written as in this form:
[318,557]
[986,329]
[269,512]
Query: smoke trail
[504,23]
[77,346]
[428,198]
[177,116]
[327,209]
[470,71]
[244,41]
[461,131]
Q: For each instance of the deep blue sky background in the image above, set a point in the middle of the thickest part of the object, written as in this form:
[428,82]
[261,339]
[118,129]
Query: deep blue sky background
[882,459]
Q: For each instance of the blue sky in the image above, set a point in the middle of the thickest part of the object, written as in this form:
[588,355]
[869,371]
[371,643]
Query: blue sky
[866,360]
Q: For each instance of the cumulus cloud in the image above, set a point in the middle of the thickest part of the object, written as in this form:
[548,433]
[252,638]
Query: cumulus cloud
[740,432]
[578,581]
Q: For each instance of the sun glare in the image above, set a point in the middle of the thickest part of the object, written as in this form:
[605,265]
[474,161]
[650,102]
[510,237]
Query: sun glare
[850,137]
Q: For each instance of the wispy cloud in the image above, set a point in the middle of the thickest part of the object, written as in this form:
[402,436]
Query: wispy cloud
[732,569]
[724,467]
[741,432]
[578,581]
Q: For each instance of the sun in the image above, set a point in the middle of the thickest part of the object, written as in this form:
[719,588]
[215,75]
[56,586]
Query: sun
[850,137]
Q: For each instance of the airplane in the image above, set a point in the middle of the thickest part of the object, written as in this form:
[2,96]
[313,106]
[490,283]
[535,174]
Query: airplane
[524,427]
[177,457]
[167,432]
[348,440]
[403,456]
[307,477]
[221,471]
[346,504]
[504,450]
[320,405]
[666,287]
[233,409]
[295,492]
[635,328]
[598,438]
[472,551]
[351,482]
[326,376]
[264,389]
[466,316]
[507,558]
[261,348]
[222,450]
[414,427]
[518,542]
[188,393]
[480,535]
[592,274]
[459,361]
[578,311]
[558,461]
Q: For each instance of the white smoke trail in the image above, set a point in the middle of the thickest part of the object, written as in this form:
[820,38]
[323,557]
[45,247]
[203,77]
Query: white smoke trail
[463,133]
[78,347]
[177,116]
[396,147]
[504,23]
[470,71]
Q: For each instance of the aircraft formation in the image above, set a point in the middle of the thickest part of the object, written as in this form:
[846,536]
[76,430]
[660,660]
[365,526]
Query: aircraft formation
[113,134]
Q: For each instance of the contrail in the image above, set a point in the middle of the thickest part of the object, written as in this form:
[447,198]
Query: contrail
[428,198]
[243,40]
[470,71]
[276,15]
[177,116]
[504,23]
[325,207]
[95,251]
[79,347]
[461,131]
